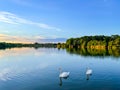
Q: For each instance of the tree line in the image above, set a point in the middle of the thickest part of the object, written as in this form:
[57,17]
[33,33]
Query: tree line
[98,41]
[98,45]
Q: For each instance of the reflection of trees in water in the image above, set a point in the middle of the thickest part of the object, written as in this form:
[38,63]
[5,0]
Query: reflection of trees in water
[114,51]
[4,45]
[77,51]
[95,51]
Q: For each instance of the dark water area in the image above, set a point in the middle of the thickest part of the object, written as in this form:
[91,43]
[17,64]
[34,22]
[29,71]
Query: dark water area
[38,69]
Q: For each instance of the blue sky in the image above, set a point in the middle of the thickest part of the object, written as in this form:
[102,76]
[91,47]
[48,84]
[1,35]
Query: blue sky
[40,20]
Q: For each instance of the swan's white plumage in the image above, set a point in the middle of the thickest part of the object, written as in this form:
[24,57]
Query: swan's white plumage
[89,71]
[64,74]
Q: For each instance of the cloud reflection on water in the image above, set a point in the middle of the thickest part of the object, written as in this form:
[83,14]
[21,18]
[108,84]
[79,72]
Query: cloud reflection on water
[4,74]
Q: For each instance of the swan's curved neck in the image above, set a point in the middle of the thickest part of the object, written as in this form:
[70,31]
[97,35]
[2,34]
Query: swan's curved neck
[87,68]
[60,70]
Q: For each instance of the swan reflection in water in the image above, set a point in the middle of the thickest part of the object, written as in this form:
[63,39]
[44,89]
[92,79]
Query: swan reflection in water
[63,75]
[88,73]
[61,80]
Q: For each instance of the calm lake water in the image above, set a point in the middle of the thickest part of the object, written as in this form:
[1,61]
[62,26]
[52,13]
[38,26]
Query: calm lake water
[38,69]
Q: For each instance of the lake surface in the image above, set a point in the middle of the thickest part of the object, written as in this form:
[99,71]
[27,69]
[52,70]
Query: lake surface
[38,69]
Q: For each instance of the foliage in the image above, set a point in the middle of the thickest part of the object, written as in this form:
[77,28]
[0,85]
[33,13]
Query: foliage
[94,41]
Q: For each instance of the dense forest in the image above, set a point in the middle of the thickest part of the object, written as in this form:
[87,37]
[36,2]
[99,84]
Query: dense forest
[100,41]
[93,45]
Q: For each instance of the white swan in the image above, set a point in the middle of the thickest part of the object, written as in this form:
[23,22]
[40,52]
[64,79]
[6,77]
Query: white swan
[63,74]
[89,71]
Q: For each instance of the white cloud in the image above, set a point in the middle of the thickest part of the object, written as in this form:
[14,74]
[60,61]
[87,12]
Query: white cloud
[39,37]
[29,39]
[10,18]
[15,39]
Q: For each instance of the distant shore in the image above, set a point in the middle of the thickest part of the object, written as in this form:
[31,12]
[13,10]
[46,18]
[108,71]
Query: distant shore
[4,45]
[98,42]
[87,45]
